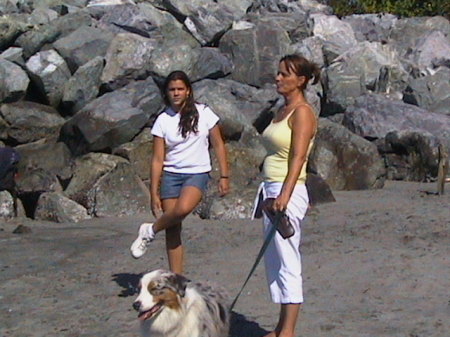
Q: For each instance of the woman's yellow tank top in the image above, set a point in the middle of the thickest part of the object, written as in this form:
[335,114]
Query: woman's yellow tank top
[277,141]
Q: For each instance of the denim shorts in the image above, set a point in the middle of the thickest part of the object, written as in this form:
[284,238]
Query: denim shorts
[173,183]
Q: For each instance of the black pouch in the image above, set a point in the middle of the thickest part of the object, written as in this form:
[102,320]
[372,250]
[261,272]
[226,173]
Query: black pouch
[278,219]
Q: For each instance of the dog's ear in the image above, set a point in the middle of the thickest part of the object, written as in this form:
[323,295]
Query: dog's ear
[180,282]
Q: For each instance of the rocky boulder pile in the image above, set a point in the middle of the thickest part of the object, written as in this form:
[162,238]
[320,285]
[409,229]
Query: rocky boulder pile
[80,88]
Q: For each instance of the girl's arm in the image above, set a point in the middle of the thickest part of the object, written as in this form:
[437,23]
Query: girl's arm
[303,124]
[156,169]
[221,154]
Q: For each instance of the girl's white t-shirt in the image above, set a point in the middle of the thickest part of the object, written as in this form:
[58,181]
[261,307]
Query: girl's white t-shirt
[190,154]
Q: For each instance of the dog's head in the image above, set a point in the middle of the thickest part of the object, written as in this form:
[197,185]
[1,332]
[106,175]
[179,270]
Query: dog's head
[159,290]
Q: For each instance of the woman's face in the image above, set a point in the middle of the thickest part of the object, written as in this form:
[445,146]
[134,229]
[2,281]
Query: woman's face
[287,81]
[177,93]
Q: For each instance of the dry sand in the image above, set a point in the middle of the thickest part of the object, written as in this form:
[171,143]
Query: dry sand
[375,263]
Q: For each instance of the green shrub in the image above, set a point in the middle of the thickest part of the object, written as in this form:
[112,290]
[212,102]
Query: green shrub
[402,8]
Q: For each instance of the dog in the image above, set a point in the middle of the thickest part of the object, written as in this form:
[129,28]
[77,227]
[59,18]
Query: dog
[170,305]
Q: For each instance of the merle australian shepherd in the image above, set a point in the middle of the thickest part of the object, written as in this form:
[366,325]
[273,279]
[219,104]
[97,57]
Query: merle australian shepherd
[169,305]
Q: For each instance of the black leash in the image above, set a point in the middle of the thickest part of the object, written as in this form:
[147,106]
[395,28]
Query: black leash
[269,237]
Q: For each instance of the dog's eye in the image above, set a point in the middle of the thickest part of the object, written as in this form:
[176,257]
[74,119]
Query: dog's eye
[157,289]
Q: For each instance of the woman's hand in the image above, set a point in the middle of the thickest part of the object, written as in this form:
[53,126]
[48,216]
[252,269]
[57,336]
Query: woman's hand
[156,206]
[224,186]
[280,203]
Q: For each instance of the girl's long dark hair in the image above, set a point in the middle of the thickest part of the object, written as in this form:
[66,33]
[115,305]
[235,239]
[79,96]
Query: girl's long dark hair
[189,113]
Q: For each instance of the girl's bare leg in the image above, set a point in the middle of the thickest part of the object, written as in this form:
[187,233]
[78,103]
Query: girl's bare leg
[175,210]
[189,199]
[174,247]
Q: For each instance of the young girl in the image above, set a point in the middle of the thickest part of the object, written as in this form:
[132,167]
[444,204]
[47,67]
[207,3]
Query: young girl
[180,166]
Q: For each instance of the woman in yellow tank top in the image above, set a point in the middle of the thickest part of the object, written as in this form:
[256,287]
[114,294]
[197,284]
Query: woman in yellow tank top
[288,140]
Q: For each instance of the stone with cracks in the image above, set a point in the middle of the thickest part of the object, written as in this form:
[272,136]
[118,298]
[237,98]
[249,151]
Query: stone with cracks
[54,206]
[49,73]
[83,45]
[27,121]
[256,64]
[13,81]
[373,116]
[83,86]
[344,160]
[112,119]
[119,192]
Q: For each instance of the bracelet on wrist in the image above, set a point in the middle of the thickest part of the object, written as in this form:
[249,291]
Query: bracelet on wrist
[224,177]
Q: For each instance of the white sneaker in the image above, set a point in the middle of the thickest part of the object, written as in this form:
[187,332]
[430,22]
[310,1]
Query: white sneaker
[145,236]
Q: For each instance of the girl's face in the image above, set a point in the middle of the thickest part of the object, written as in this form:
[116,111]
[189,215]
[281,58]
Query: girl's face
[287,81]
[177,93]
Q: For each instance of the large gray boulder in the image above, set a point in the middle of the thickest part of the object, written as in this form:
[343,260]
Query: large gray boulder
[245,176]
[13,81]
[238,105]
[98,8]
[211,63]
[178,50]
[371,27]
[295,25]
[407,31]
[367,66]
[286,6]
[210,21]
[107,185]
[53,157]
[83,45]
[56,207]
[431,50]
[10,29]
[156,16]
[411,155]
[138,152]
[49,73]
[256,64]
[70,22]
[14,54]
[26,122]
[344,160]
[127,18]
[338,35]
[87,171]
[33,183]
[430,92]
[33,40]
[374,116]
[120,192]
[7,210]
[311,48]
[83,86]
[112,119]
[42,15]
[319,192]
[128,58]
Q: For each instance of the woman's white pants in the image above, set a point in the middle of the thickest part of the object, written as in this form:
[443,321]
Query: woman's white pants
[282,257]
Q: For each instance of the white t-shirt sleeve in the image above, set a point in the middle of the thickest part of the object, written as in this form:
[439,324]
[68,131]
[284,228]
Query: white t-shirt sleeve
[157,129]
[211,118]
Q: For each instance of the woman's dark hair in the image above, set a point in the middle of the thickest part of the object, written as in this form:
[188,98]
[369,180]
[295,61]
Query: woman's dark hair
[302,67]
[189,113]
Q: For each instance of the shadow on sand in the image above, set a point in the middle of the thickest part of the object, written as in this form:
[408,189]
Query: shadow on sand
[129,283]
[239,325]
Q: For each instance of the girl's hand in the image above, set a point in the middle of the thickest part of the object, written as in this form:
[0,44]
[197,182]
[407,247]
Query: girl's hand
[156,207]
[224,186]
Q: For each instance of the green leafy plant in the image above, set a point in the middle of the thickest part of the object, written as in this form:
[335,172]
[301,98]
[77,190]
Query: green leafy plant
[402,8]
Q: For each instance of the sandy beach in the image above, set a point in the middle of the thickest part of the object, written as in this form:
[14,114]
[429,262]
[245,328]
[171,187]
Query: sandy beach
[375,264]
